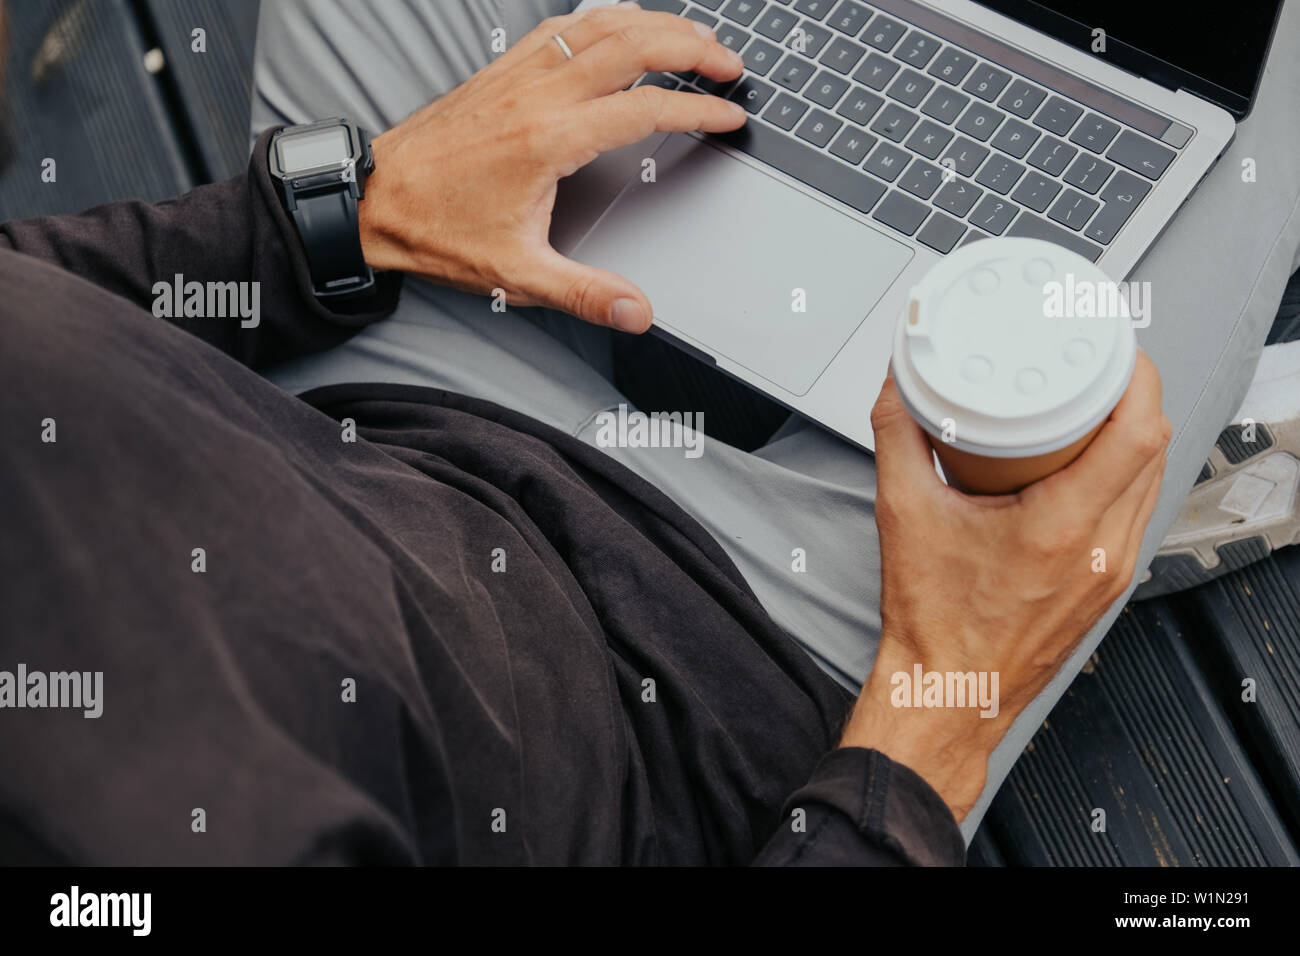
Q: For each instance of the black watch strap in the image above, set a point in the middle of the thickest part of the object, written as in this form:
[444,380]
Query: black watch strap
[331,238]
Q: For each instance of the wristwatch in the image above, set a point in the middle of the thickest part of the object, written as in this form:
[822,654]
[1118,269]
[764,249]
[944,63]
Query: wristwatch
[322,169]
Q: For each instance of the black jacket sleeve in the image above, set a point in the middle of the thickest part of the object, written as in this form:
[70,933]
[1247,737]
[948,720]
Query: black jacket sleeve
[235,231]
[863,809]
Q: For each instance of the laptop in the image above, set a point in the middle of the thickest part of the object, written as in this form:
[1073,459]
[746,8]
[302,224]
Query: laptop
[883,135]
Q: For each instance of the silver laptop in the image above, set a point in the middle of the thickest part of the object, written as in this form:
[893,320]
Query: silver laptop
[882,136]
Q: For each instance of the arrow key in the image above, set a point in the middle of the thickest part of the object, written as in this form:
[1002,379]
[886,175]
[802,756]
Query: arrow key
[1144,156]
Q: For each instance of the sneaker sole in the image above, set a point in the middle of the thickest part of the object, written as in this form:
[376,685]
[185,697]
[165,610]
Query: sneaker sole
[1246,502]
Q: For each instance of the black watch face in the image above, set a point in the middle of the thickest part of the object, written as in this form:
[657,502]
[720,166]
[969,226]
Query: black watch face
[299,152]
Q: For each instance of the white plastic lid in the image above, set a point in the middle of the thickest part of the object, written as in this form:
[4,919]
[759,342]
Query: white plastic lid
[1021,345]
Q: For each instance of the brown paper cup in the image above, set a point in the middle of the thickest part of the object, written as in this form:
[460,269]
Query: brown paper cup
[979,475]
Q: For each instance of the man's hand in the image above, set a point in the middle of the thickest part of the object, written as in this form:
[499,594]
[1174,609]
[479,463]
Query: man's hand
[1007,584]
[463,191]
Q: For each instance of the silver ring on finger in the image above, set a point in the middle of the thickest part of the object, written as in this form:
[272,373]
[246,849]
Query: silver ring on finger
[564,47]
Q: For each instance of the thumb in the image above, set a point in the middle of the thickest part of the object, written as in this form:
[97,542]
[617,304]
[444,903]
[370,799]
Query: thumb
[904,457]
[593,295]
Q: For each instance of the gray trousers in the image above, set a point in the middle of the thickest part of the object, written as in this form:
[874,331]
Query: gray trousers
[1217,276]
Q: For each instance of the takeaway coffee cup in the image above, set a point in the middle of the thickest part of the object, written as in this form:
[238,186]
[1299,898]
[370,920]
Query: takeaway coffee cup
[1009,378]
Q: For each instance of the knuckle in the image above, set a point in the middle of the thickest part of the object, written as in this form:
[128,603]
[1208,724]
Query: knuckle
[650,101]
[581,297]
[887,412]
[894,510]
[604,16]
[1151,440]
[631,36]
[555,24]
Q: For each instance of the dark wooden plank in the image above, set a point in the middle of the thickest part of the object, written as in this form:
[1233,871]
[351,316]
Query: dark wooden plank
[214,85]
[1140,735]
[1252,632]
[78,92]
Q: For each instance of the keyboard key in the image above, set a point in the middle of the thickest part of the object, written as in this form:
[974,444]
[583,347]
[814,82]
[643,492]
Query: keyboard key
[808,38]
[929,139]
[894,122]
[666,6]
[1014,138]
[986,82]
[1057,116]
[659,79]
[910,88]
[818,170]
[732,37]
[999,174]
[860,105]
[1125,189]
[852,145]
[1031,226]
[775,23]
[1145,157]
[826,89]
[1073,209]
[966,156]
[751,93]
[876,71]
[1094,132]
[842,55]
[814,8]
[951,65]
[900,212]
[760,56]
[1088,173]
[941,233]
[945,105]
[1052,156]
[849,17]
[1022,98]
[917,50]
[1120,197]
[921,179]
[887,162]
[714,4]
[1036,191]
[785,111]
[818,128]
[708,19]
[979,121]
[957,196]
[994,214]
[793,72]
[883,33]
[742,11]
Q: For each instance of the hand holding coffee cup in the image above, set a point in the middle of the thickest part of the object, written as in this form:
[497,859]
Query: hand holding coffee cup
[1004,583]
[992,359]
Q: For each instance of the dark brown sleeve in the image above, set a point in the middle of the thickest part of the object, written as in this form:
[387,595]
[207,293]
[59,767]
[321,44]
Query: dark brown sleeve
[863,809]
[235,231]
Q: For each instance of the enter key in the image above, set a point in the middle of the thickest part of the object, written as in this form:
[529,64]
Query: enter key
[1120,197]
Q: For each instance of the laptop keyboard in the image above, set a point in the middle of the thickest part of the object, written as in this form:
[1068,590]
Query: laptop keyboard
[923,136]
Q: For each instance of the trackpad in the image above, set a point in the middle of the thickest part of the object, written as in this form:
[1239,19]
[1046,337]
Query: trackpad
[741,264]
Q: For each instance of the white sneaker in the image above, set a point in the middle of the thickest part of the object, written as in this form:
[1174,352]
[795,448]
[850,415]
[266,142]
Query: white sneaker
[1246,502]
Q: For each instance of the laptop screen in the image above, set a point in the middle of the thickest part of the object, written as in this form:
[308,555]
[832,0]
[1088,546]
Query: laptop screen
[1219,58]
